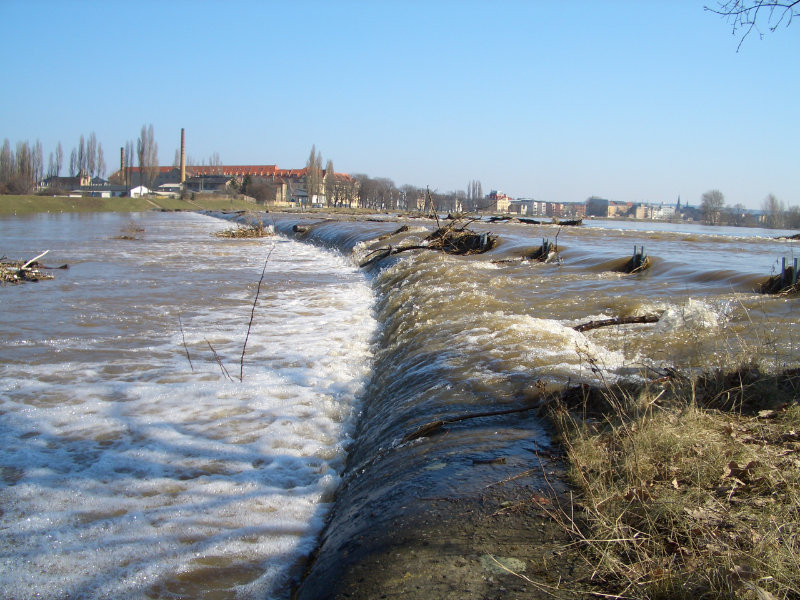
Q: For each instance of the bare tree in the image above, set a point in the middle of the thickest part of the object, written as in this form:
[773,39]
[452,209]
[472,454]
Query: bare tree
[24,175]
[73,163]
[91,154]
[147,152]
[746,16]
[737,215]
[711,204]
[774,212]
[126,176]
[101,161]
[793,217]
[59,158]
[474,195]
[37,161]
[387,193]
[313,174]
[411,197]
[330,184]
[81,154]
[216,162]
[6,164]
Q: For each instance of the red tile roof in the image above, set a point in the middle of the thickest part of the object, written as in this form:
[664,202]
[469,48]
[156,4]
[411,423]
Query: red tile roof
[240,171]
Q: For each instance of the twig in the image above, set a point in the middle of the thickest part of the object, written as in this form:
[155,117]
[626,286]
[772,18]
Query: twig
[510,478]
[543,587]
[219,362]
[185,347]
[33,260]
[252,314]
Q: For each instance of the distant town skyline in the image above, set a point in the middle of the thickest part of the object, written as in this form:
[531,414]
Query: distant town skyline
[634,102]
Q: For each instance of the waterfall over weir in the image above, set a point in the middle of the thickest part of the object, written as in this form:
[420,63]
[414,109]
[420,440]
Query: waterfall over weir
[484,334]
[131,466]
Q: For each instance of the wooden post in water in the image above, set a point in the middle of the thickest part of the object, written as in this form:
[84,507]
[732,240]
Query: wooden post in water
[783,272]
[638,257]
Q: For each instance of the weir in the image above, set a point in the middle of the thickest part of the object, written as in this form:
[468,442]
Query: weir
[435,504]
[433,516]
[444,489]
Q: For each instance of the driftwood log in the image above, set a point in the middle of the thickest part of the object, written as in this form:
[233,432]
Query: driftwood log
[616,321]
[386,236]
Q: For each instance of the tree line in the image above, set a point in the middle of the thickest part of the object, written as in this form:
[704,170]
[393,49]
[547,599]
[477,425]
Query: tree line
[775,214]
[22,167]
[380,193]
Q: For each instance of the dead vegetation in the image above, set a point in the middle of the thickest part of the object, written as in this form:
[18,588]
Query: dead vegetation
[247,231]
[687,488]
[20,271]
[453,238]
[783,284]
[130,232]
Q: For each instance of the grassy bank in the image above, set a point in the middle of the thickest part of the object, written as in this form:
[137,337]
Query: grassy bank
[22,205]
[687,489]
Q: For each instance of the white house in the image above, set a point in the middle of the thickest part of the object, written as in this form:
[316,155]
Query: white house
[139,192]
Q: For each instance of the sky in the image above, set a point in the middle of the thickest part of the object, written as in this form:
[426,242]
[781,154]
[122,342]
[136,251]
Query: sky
[631,100]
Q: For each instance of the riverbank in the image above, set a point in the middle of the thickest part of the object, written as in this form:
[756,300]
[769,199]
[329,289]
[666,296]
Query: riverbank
[659,495]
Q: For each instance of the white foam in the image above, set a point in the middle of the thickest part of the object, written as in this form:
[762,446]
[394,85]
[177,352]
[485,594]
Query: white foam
[124,469]
[694,315]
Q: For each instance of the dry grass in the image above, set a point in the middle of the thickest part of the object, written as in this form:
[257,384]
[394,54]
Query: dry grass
[688,489]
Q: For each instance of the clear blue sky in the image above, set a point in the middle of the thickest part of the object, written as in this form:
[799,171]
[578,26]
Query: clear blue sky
[560,100]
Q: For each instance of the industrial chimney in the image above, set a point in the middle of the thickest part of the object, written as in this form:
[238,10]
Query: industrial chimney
[122,166]
[183,155]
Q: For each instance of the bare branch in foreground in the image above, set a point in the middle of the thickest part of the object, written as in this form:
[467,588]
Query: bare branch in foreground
[252,314]
[185,347]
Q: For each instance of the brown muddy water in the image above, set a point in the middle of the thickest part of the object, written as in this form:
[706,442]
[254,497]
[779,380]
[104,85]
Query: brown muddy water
[128,473]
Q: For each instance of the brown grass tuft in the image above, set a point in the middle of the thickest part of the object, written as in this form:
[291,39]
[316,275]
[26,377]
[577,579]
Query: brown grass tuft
[689,490]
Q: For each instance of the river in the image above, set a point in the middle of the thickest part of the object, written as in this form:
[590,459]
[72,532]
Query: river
[131,470]
[134,466]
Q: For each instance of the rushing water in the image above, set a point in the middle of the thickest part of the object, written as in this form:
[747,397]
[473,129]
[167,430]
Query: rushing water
[502,315]
[130,470]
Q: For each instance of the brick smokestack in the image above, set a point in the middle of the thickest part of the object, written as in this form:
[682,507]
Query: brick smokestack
[122,165]
[183,155]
